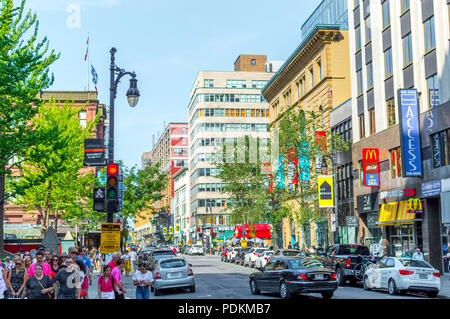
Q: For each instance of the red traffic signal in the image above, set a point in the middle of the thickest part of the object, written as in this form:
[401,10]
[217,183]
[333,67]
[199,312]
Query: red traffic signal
[113,169]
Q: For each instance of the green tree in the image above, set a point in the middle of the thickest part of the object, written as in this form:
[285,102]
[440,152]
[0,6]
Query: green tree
[24,72]
[51,178]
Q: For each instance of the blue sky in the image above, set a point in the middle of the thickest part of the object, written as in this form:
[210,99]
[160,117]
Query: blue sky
[166,43]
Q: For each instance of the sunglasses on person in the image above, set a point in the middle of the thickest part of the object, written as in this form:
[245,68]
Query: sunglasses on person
[18,264]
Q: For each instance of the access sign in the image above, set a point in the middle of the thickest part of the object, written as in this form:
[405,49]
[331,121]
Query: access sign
[110,238]
[371,167]
[325,183]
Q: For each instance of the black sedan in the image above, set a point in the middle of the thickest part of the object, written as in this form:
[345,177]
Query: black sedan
[293,275]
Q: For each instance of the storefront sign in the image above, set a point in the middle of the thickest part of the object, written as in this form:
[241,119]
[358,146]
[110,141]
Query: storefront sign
[243,243]
[398,193]
[325,183]
[432,188]
[372,220]
[371,167]
[367,203]
[410,132]
[110,238]
[352,221]
[415,205]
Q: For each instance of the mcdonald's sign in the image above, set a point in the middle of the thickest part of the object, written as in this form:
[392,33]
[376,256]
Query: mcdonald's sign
[415,205]
[371,167]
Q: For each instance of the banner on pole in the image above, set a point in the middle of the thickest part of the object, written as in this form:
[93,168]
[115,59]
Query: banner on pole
[325,184]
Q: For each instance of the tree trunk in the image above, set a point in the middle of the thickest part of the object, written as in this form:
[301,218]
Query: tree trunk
[56,222]
[2,202]
[46,217]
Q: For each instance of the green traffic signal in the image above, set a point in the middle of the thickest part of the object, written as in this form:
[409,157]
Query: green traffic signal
[112,193]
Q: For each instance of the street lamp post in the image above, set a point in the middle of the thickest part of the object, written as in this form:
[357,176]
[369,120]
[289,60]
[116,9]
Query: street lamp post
[116,74]
[210,228]
[333,164]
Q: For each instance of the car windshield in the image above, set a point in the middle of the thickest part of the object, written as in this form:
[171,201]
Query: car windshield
[258,251]
[290,253]
[268,253]
[198,246]
[353,250]
[414,263]
[302,263]
[163,253]
[173,263]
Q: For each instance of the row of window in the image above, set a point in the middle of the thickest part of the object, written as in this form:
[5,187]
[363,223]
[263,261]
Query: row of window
[179,151]
[237,84]
[213,172]
[208,187]
[180,163]
[344,182]
[204,157]
[208,202]
[227,97]
[220,141]
[229,127]
[344,129]
[215,219]
[441,148]
[228,112]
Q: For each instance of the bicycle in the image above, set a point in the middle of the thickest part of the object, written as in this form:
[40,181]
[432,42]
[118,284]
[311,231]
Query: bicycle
[360,268]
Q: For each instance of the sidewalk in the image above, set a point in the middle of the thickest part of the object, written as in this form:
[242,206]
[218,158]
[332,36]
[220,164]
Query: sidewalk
[445,286]
[127,282]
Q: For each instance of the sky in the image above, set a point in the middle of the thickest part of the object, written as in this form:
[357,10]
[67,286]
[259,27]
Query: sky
[166,43]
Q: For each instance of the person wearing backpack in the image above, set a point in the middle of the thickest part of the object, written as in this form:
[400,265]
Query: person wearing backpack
[106,284]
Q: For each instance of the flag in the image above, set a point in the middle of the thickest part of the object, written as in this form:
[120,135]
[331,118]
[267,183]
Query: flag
[94,76]
[87,49]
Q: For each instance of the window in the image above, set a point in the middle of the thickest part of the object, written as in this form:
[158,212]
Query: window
[356,3]
[360,81]
[372,121]
[258,84]
[236,84]
[388,62]
[209,83]
[407,49]
[430,39]
[287,98]
[405,5]
[302,85]
[441,148]
[386,15]
[82,118]
[253,61]
[390,106]
[369,75]
[433,90]
[361,126]
[396,168]
[368,30]
[312,77]
[320,70]
[358,38]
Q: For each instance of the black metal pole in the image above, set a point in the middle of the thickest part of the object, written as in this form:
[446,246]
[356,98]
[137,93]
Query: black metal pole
[112,96]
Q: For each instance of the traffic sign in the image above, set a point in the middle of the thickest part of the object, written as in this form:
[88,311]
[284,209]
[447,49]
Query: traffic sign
[94,152]
[110,238]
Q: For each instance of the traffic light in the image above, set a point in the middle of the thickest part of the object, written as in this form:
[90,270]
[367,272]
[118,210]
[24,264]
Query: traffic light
[99,199]
[112,188]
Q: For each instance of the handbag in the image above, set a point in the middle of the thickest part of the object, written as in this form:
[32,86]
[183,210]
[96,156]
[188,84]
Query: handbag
[48,294]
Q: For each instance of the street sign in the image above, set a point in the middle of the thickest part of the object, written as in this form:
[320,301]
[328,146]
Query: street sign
[110,238]
[177,228]
[170,230]
[371,167]
[243,243]
[94,152]
[352,221]
[325,184]
[164,231]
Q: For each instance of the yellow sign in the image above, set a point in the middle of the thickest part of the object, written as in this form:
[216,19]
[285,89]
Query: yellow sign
[171,230]
[415,204]
[164,231]
[177,228]
[110,238]
[325,184]
[243,243]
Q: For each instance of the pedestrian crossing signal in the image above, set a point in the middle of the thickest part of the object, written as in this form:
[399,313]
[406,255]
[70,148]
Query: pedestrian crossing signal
[99,199]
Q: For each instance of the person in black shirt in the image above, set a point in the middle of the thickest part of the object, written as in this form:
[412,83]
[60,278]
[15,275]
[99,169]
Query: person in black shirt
[69,280]
[39,286]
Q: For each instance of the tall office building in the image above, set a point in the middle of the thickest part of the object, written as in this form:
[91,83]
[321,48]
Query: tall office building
[402,45]
[224,105]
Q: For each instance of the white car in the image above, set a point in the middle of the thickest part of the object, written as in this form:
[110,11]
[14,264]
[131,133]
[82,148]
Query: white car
[196,250]
[231,255]
[262,259]
[399,275]
[250,258]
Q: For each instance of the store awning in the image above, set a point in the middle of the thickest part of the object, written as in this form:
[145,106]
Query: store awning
[225,236]
[261,231]
[388,214]
[404,217]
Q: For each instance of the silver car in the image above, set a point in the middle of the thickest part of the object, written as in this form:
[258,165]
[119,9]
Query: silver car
[172,273]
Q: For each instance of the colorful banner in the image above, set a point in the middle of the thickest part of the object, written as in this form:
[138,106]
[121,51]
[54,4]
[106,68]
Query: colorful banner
[410,132]
[371,167]
[325,184]
[303,161]
[280,172]
[321,138]
[292,167]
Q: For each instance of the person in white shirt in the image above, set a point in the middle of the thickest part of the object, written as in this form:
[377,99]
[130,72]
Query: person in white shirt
[418,255]
[133,260]
[143,279]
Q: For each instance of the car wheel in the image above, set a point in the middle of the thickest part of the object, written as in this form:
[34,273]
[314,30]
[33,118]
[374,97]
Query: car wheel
[392,287]
[327,294]
[340,277]
[284,292]
[157,292]
[253,288]
[432,294]
[152,289]
[192,289]
[366,283]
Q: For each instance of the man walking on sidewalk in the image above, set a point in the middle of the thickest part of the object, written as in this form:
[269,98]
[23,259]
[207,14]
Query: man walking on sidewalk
[133,260]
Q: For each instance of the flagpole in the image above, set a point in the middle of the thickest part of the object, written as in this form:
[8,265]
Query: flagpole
[88,64]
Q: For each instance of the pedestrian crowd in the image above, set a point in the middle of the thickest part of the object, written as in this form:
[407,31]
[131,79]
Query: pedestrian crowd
[43,275]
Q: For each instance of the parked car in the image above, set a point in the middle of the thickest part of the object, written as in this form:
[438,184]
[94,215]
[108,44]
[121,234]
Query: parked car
[251,256]
[343,259]
[231,255]
[223,255]
[172,273]
[196,250]
[286,253]
[399,275]
[262,259]
[159,254]
[292,275]
[239,258]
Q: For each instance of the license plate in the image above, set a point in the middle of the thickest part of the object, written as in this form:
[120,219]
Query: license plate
[318,277]
[422,276]
[174,275]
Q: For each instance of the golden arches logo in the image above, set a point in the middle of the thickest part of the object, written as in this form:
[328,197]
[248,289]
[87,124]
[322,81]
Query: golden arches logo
[414,204]
[371,154]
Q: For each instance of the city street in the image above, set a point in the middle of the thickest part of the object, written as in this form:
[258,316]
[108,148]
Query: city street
[215,279]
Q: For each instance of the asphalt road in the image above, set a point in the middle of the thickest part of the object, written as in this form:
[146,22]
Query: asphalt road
[215,279]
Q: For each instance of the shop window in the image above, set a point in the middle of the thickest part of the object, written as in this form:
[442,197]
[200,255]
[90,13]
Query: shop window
[396,168]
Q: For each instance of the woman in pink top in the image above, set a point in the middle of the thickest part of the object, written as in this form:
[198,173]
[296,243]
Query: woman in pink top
[46,270]
[106,284]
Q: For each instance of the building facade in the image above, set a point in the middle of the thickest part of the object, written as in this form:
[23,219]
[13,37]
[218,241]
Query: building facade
[181,207]
[408,42]
[316,77]
[224,105]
